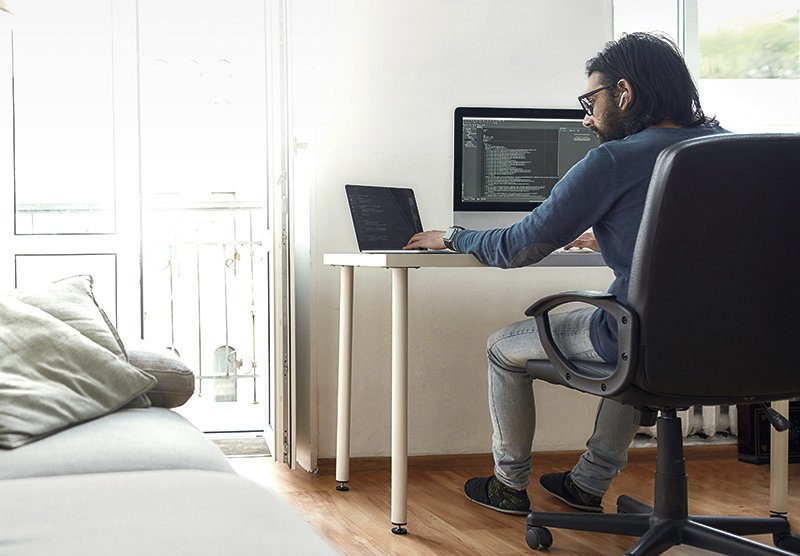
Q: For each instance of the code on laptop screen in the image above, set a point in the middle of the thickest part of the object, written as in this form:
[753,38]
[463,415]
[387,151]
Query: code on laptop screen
[384,218]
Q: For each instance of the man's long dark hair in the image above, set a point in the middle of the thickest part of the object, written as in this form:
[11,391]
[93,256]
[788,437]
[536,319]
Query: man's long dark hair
[662,85]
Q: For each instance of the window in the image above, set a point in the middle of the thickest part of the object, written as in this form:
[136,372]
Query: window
[64,113]
[750,63]
[745,55]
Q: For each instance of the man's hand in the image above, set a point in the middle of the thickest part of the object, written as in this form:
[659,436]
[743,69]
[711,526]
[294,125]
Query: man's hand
[585,241]
[426,240]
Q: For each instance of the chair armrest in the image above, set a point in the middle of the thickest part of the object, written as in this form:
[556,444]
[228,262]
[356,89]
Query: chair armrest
[572,374]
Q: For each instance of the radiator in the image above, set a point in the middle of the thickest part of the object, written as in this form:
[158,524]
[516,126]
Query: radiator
[704,421]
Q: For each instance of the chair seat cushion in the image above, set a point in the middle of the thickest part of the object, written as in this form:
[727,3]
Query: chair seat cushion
[634,394]
[543,369]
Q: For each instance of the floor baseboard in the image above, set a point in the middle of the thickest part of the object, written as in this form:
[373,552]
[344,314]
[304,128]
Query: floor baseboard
[327,466]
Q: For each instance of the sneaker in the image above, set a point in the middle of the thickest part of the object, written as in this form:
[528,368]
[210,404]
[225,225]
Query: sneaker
[489,492]
[561,486]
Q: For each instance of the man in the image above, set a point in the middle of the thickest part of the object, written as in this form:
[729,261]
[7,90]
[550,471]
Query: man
[640,99]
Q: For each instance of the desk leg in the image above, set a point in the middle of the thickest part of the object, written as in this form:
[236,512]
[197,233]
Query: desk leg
[399,399]
[779,465]
[345,370]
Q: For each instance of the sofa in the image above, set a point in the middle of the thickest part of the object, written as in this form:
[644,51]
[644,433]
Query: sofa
[93,461]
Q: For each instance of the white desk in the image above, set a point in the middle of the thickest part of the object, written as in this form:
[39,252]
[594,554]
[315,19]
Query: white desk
[399,263]
[779,465]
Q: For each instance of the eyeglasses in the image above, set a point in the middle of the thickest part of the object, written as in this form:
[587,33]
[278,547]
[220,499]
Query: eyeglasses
[586,104]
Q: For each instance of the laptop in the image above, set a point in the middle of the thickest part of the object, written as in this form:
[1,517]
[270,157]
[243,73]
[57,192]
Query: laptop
[384,218]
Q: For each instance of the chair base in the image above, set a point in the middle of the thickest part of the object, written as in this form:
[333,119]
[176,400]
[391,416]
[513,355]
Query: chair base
[657,535]
[668,524]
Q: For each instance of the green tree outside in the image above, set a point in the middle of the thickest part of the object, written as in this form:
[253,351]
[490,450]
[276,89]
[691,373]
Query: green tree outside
[761,49]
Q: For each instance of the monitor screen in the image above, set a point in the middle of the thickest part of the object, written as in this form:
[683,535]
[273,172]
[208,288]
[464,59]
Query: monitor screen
[507,160]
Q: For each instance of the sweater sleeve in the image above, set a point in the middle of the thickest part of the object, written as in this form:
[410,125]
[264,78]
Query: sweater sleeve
[578,201]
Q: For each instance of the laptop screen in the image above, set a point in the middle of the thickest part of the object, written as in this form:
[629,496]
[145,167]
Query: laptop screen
[384,218]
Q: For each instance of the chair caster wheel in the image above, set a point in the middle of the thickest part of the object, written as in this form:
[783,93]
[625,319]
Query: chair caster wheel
[538,537]
[787,541]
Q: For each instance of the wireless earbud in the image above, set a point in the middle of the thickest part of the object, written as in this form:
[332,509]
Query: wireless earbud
[622,99]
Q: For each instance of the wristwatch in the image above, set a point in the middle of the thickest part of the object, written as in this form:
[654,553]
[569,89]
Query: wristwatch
[450,237]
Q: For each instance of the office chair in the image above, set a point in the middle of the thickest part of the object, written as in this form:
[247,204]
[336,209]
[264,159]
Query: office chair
[711,319]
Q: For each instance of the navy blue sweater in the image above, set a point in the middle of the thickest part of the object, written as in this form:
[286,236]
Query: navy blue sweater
[605,191]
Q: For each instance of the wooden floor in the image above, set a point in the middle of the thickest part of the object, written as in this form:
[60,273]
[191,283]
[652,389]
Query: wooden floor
[442,521]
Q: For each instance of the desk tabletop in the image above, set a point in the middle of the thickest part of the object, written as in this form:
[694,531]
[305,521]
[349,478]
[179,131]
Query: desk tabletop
[445,259]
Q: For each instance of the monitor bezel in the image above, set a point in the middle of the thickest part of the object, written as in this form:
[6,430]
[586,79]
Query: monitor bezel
[487,112]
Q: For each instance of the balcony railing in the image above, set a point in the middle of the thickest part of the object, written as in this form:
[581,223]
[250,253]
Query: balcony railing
[204,283]
[204,289]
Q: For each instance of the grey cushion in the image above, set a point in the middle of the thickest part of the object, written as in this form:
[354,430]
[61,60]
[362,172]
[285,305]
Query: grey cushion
[176,513]
[127,440]
[72,301]
[175,381]
[53,377]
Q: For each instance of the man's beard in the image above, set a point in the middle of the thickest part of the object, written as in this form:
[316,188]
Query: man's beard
[616,126]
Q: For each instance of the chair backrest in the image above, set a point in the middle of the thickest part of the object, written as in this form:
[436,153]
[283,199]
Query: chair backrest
[716,272]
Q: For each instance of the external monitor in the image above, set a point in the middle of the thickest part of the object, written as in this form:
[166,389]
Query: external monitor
[507,161]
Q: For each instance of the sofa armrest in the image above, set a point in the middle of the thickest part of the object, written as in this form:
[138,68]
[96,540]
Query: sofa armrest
[175,380]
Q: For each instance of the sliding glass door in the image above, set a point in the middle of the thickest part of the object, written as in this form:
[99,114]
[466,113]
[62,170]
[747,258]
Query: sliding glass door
[69,158]
[205,231]
[134,147]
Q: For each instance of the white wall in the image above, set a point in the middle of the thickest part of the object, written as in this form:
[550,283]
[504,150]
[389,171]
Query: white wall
[374,86]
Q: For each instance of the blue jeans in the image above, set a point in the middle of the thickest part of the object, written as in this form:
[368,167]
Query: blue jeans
[513,410]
